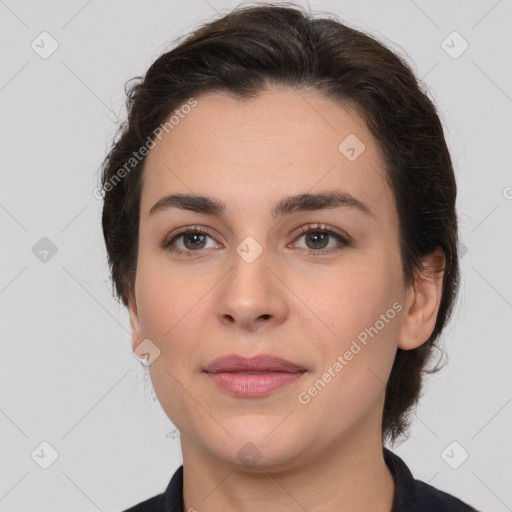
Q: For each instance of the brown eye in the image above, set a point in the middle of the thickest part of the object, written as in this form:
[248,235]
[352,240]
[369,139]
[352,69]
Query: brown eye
[191,239]
[317,239]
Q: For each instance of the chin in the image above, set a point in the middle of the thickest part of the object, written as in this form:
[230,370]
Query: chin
[252,449]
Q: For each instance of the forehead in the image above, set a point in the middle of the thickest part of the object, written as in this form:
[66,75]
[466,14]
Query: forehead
[250,153]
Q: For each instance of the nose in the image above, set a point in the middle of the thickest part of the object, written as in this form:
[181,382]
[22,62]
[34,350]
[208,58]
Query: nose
[252,297]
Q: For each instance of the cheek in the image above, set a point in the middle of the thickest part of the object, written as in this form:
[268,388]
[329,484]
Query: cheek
[168,317]
[167,299]
[351,298]
[362,310]
[173,310]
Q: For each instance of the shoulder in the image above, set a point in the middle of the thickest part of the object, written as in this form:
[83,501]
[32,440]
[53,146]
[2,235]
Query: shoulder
[435,499]
[169,501]
[154,504]
[413,495]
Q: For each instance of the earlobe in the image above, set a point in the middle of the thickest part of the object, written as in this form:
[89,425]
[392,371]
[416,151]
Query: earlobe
[422,303]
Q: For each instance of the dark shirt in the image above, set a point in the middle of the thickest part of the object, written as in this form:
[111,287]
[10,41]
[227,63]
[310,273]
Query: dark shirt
[411,495]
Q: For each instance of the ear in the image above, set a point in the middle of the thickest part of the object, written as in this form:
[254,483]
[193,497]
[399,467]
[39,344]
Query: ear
[422,302]
[134,322]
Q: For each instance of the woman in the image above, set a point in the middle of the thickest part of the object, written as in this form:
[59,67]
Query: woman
[279,216]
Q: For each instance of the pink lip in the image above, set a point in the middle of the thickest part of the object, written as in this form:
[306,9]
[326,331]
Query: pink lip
[241,376]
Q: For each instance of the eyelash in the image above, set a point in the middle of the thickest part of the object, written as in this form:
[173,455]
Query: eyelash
[310,228]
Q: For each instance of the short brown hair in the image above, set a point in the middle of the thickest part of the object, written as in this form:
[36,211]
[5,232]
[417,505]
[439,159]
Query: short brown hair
[254,47]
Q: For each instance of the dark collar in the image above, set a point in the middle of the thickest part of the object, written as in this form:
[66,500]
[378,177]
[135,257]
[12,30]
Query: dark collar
[410,495]
[413,495]
[173,501]
[404,482]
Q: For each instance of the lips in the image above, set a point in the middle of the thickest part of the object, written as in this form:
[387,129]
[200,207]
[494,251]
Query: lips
[263,363]
[252,377]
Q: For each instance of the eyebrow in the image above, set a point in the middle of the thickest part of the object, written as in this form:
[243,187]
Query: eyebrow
[285,206]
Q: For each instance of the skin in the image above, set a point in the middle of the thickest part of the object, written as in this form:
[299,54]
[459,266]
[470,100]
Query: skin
[327,454]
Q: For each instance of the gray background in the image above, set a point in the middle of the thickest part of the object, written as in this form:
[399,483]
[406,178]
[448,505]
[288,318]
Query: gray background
[68,376]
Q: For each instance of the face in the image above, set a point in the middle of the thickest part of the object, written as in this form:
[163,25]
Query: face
[320,287]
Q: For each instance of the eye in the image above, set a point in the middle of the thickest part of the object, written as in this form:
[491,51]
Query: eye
[192,240]
[317,238]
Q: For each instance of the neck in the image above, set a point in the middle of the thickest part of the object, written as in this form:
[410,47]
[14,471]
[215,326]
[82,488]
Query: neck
[349,474]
